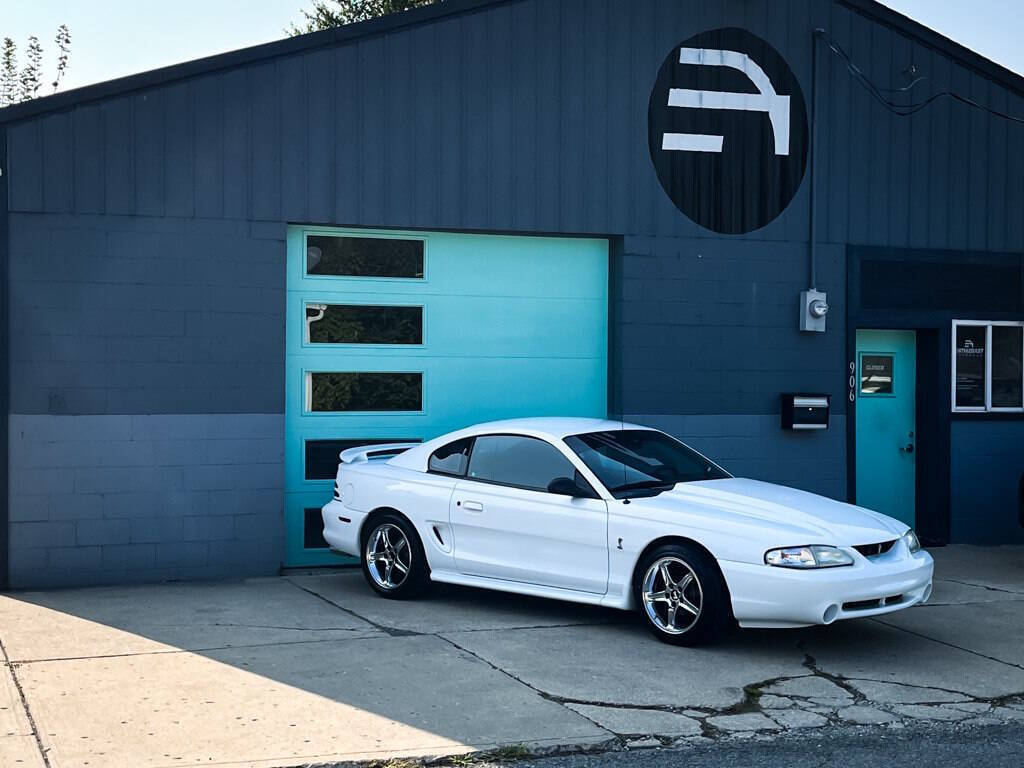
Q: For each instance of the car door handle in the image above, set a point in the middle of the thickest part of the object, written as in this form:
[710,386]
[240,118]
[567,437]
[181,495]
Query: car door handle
[473,506]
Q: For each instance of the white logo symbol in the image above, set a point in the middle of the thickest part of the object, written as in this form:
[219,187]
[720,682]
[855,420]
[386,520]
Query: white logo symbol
[765,100]
[968,344]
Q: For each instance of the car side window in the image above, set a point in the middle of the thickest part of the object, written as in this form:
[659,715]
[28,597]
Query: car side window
[523,462]
[451,459]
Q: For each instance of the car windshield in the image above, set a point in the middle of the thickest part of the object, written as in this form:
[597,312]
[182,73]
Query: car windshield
[639,462]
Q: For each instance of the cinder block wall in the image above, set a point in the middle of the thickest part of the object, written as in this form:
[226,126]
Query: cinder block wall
[101,499]
[147,371]
[705,339]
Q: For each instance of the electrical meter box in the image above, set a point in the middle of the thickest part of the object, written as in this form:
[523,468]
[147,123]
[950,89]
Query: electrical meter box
[804,412]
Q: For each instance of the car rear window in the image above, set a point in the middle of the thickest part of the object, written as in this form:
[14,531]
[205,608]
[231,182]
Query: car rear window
[451,459]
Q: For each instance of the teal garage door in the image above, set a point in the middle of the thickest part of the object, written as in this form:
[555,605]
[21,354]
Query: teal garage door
[403,336]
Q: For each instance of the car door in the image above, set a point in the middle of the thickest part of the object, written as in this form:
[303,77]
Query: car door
[507,526]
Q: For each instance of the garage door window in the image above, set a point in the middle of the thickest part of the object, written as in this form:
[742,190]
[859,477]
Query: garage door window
[363,324]
[363,392]
[321,456]
[346,256]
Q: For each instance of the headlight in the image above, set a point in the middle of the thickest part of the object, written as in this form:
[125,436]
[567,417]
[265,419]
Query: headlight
[911,540]
[817,556]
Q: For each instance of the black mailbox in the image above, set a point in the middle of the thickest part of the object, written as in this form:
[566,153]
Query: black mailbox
[805,411]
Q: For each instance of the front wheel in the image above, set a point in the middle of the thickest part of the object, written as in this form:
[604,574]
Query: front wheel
[393,560]
[682,595]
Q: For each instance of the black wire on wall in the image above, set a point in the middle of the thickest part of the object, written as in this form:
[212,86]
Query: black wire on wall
[905,110]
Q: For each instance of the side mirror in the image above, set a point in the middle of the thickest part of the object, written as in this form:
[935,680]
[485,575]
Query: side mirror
[567,486]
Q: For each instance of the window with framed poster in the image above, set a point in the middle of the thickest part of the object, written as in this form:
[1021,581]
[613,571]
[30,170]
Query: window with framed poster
[876,374]
[988,366]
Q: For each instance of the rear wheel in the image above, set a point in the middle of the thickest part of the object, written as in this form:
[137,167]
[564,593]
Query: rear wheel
[682,596]
[393,560]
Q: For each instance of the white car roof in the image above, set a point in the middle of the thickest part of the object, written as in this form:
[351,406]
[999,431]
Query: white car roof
[551,428]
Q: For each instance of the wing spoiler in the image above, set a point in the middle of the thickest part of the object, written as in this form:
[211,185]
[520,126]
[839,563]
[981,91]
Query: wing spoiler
[368,452]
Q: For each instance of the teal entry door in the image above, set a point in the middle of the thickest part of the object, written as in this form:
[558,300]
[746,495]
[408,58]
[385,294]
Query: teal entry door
[886,433]
[403,336]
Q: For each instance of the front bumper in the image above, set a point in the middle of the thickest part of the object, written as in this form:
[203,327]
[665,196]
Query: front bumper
[765,596]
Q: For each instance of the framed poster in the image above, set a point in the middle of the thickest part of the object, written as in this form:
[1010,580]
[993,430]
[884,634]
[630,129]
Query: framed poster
[876,374]
[969,366]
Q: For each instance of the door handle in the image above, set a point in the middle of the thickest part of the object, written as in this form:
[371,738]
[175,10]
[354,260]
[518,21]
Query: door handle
[908,448]
[473,506]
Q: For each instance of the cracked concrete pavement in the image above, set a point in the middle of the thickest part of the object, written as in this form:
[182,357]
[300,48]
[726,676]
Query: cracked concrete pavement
[312,668]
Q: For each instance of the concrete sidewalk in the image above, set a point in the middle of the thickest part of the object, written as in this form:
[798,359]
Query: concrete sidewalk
[316,669]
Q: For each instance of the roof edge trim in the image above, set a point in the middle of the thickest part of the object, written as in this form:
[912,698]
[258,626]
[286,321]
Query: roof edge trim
[241,57]
[365,29]
[929,37]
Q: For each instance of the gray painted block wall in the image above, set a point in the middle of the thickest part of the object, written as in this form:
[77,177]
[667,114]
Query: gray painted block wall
[711,326]
[147,385]
[145,314]
[695,340]
[131,498]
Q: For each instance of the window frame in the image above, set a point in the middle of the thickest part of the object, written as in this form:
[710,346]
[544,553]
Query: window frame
[336,301]
[860,374]
[988,325]
[307,393]
[578,471]
[362,235]
[472,442]
[360,442]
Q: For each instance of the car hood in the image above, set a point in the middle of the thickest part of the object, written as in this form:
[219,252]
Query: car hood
[798,516]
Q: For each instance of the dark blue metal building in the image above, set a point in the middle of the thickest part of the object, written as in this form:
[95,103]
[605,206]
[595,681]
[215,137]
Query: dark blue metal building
[162,236]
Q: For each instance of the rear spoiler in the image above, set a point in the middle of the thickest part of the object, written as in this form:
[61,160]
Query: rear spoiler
[366,453]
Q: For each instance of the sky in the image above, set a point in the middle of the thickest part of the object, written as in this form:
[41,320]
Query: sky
[111,38]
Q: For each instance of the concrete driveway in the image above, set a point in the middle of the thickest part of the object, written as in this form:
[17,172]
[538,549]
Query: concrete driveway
[312,668]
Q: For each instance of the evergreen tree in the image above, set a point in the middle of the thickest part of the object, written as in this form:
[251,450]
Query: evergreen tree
[63,41]
[32,73]
[17,85]
[8,72]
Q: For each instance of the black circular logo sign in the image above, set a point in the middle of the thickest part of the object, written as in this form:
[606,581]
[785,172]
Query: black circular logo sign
[727,126]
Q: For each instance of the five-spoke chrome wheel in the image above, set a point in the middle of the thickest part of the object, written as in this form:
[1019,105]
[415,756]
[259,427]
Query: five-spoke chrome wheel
[672,595]
[388,556]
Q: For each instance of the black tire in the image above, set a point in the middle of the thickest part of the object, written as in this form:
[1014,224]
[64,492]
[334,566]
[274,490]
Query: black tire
[387,581]
[681,627]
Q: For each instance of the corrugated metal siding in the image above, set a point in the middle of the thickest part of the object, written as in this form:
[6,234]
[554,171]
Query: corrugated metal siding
[937,179]
[527,116]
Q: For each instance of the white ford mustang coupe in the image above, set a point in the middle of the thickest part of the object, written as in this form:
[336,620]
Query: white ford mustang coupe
[617,515]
